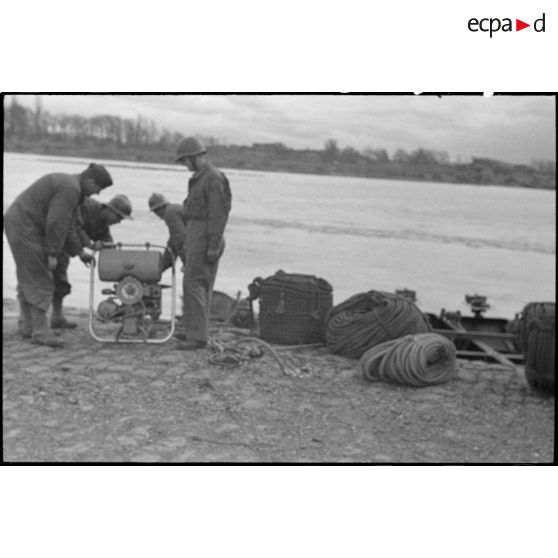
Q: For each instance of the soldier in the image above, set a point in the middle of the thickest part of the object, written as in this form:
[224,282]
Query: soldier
[91,230]
[172,214]
[36,225]
[206,211]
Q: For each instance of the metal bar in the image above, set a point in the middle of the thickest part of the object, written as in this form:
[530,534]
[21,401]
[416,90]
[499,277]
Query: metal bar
[466,334]
[483,354]
[146,245]
[482,345]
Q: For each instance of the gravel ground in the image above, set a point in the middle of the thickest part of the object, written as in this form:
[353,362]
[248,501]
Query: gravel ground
[93,402]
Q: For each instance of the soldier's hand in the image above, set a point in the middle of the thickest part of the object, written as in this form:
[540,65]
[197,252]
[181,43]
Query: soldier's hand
[212,255]
[98,245]
[52,262]
[86,258]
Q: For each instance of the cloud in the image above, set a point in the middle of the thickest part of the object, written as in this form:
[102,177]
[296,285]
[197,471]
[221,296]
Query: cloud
[511,128]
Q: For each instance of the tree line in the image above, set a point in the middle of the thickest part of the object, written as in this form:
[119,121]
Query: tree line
[22,123]
[114,137]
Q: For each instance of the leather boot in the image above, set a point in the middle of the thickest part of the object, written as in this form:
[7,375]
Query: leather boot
[24,323]
[57,320]
[41,334]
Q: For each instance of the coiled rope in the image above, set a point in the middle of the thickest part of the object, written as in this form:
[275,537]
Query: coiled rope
[536,336]
[532,311]
[417,360]
[368,319]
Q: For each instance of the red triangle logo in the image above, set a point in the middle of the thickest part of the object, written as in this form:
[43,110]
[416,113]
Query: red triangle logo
[519,25]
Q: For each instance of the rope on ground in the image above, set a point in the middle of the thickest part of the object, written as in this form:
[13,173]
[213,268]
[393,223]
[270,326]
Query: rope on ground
[368,319]
[417,360]
[232,354]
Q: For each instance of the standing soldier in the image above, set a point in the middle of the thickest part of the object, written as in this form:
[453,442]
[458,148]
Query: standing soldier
[172,214]
[37,224]
[206,211]
[91,230]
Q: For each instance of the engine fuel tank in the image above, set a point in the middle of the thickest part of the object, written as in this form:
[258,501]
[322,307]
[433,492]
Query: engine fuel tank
[144,265]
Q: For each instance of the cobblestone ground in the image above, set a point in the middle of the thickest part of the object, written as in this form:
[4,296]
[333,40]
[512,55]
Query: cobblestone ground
[93,402]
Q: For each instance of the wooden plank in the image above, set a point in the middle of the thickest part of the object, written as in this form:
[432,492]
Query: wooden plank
[494,354]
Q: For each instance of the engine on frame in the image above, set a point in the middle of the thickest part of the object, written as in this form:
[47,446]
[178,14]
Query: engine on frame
[135,300]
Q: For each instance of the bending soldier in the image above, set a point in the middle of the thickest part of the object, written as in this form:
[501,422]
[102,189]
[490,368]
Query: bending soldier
[91,229]
[206,211]
[37,225]
[173,216]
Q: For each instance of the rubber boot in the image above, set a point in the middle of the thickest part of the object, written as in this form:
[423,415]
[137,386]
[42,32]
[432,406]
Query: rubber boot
[25,324]
[57,320]
[41,334]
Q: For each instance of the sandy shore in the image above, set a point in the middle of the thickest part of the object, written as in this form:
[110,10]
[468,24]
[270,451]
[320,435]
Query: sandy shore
[93,402]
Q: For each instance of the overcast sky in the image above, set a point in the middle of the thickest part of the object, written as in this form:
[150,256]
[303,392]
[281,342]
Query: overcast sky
[516,129]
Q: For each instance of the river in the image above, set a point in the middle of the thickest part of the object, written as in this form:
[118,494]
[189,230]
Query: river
[441,240]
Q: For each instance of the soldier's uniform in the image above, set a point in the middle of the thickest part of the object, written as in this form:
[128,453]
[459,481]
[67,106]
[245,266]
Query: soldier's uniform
[173,215]
[206,211]
[37,225]
[87,227]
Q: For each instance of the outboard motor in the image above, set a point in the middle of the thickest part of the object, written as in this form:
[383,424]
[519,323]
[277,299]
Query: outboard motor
[135,300]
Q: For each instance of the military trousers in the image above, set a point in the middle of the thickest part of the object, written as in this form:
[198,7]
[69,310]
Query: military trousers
[198,281]
[62,286]
[35,284]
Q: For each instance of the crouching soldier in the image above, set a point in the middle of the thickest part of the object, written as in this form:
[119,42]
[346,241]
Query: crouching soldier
[91,230]
[172,214]
[37,225]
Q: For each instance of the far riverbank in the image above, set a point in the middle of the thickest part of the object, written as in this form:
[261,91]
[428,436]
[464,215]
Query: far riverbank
[417,166]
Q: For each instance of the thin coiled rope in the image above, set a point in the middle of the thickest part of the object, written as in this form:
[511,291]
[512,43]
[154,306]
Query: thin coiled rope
[368,319]
[417,360]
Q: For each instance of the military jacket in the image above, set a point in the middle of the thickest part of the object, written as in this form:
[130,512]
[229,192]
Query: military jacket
[87,227]
[209,199]
[48,208]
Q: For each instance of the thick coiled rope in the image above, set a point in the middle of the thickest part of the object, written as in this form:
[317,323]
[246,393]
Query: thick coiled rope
[368,319]
[522,324]
[536,336]
[417,360]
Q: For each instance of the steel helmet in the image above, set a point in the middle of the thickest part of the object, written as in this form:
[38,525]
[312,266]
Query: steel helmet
[188,147]
[121,205]
[157,201]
